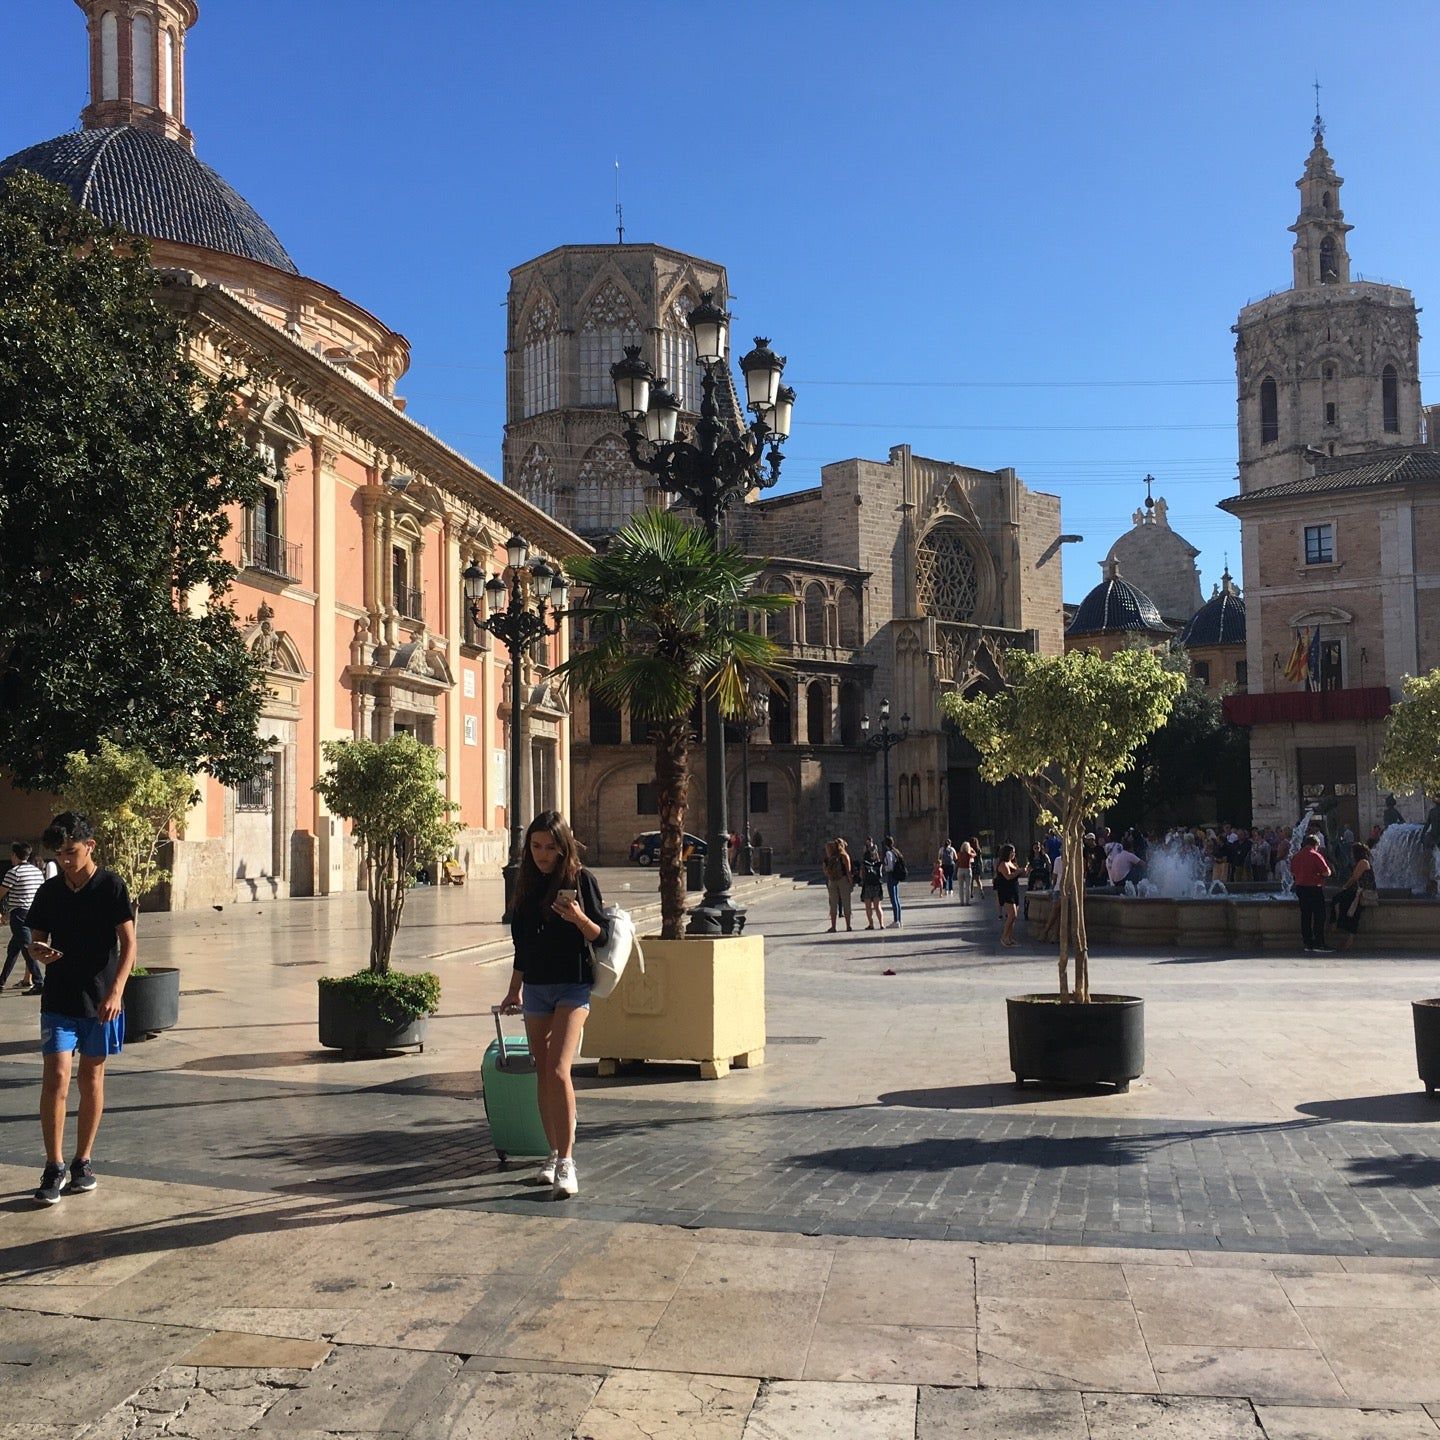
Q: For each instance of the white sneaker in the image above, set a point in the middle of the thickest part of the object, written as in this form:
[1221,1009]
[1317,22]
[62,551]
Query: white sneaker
[546,1174]
[566,1181]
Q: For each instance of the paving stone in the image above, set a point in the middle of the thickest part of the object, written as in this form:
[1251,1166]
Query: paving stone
[881,1288]
[1310,1422]
[964,1414]
[1402,1292]
[363,1388]
[787,1410]
[1255,1372]
[654,1405]
[1381,1357]
[482,1405]
[233,1348]
[1039,1279]
[1197,1307]
[1062,1344]
[734,1333]
[1160,1417]
[906,1354]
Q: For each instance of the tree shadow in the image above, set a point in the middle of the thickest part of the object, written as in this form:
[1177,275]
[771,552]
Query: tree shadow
[20,1047]
[261,1060]
[993,1094]
[1404,1107]
[1408,1171]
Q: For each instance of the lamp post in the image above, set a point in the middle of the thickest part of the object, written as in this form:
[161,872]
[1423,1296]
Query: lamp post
[757,714]
[710,468]
[514,621]
[884,740]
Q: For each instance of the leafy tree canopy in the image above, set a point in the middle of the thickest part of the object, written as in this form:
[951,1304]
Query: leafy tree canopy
[117,470]
[1410,754]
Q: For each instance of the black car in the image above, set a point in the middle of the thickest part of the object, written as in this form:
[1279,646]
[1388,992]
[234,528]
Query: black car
[645,849]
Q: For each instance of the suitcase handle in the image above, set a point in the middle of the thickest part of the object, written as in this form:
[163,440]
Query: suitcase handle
[496,1011]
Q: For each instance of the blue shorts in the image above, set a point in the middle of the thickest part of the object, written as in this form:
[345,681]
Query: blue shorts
[94,1039]
[546,999]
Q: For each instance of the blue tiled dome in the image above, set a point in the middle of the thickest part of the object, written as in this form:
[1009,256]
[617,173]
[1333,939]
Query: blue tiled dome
[153,186]
[1116,605]
[1219,621]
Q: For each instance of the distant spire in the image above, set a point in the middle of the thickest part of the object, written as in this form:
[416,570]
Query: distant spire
[1319,130]
[619,208]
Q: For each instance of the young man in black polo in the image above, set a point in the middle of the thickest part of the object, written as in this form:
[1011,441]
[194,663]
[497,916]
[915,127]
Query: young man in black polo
[83,933]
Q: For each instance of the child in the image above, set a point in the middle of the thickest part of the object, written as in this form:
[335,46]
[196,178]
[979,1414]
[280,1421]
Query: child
[937,880]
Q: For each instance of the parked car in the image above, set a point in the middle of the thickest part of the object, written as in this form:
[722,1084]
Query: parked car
[645,849]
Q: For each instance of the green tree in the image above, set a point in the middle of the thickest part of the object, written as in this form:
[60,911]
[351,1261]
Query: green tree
[1410,752]
[390,793]
[664,617]
[1066,728]
[132,804]
[118,472]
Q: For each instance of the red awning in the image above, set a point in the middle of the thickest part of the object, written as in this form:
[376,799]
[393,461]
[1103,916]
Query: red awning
[1297,706]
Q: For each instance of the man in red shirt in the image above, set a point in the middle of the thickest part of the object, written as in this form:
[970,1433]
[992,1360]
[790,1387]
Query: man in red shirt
[1310,870]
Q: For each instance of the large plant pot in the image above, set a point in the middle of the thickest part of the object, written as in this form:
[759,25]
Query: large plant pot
[356,1027]
[1066,1044]
[698,999]
[152,1002]
[1427,1042]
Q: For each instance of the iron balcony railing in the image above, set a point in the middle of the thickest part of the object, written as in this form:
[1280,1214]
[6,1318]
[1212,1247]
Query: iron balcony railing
[410,603]
[272,554]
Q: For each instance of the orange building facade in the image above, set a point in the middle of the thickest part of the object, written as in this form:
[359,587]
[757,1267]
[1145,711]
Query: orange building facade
[349,568]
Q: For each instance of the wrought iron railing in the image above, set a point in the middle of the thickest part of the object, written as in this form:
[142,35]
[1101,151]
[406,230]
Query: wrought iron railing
[272,554]
[410,603]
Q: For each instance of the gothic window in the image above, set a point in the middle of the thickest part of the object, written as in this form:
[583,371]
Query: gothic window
[849,619]
[142,60]
[536,482]
[1328,272]
[948,586]
[780,732]
[903,799]
[815,615]
[540,360]
[1390,399]
[849,713]
[1269,411]
[677,354]
[817,702]
[109,56]
[609,325]
[917,802]
[609,489]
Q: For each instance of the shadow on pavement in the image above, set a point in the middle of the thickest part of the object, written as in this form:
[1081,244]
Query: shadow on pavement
[261,1060]
[1409,1172]
[981,1097]
[1405,1107]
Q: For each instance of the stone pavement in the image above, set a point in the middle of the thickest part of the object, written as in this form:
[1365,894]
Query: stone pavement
[1243,1245]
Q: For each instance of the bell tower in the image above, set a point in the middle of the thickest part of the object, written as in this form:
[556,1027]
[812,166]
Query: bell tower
[137,65]
[1320,255]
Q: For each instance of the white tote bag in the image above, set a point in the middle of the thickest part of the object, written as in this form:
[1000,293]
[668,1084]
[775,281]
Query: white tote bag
[609,960]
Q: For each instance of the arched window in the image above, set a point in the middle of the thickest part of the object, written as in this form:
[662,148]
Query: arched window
[948,584]
[536,482]
[1269,411]
[780,731]
[167,71]
[849,713]
[142,60]
[1326,201]
[1328,272]
[849,619]
[1390,399]
[608,327]
[817,703]
[778,622]
[604,722]
[917,803]
[815,615]
[540,360]
[609,489]
[109,56]
[677,353]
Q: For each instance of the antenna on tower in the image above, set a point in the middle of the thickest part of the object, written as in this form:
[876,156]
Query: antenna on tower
[1319,123]
[619,208]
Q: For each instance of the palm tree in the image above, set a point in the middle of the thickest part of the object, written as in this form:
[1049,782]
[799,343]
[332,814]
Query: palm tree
[664,619]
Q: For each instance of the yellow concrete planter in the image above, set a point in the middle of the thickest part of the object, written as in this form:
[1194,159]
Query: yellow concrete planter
[701,1000]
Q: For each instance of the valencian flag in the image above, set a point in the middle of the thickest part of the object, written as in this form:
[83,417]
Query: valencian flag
[1297,667]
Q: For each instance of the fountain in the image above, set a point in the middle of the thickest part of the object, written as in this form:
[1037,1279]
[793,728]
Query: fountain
[1403,861]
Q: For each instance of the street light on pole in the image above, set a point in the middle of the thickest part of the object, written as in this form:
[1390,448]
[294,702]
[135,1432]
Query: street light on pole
[517,624]
[884,740]
[710,469]
[757,715]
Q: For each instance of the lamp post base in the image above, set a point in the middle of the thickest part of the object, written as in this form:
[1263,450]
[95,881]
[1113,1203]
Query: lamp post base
[716,915]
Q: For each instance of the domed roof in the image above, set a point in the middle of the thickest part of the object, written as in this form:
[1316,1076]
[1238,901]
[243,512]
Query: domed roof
[1219,621]
[151,185]
[1116,605]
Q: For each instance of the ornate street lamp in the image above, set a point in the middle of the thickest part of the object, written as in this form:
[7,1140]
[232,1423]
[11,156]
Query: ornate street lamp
[517,624]
[756,716]
[709,469]
[884,740]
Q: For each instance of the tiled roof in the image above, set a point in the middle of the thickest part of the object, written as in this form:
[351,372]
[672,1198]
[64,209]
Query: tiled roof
[1115,604]
[1219,621]
[1400,466]
[152,186]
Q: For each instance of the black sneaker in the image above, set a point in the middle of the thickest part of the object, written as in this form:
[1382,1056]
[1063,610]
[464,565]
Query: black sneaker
[82,1177]
[52,1185]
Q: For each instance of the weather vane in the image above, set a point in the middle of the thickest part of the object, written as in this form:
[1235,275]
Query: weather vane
[1319,123]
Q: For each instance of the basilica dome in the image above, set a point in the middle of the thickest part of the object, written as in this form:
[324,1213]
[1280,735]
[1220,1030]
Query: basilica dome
[151,185]
[1219,621]
[1115,605]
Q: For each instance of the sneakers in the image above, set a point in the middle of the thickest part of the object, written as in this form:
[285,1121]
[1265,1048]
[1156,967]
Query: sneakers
[82,1177]
[566,1181]
[1323,950]
[52,1185]
[546,1173]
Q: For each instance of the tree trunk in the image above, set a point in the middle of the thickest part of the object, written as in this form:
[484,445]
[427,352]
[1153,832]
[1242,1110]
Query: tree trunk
[1075,828]
[672,782]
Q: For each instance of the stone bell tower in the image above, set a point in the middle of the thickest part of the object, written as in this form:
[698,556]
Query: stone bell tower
[137,65]
[1330,367]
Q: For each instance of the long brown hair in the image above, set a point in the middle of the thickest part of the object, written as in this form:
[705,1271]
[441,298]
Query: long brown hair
[566,873]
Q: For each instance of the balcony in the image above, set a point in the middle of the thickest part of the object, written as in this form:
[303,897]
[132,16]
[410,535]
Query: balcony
[270,554]
[1371,702]
[410,603]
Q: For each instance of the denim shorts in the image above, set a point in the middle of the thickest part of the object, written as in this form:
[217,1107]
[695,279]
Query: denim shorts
[546,999]
[94,1039]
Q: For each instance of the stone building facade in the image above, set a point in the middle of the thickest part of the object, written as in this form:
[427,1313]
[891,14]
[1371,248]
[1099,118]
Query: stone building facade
[349,568]
[1339,507]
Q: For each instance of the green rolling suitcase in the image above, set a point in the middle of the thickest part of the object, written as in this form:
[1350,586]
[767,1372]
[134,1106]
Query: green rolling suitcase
[512,1106]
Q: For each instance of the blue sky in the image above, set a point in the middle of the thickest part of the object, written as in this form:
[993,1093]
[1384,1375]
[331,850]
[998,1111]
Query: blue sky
[1009,234]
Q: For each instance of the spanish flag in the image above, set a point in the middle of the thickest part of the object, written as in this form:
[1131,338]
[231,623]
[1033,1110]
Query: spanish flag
[1297,668]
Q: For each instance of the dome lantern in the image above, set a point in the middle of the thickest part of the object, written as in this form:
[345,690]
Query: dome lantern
[137,65]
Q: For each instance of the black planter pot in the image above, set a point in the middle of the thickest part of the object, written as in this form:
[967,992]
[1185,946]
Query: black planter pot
[356,1027]
[152,1002]
[1427,1042]
[1102,1042]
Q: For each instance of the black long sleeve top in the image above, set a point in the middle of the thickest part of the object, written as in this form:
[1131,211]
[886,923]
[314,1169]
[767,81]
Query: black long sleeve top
[552,951]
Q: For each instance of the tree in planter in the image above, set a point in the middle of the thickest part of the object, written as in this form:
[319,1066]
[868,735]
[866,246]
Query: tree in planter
[133,804]
[1410,752]
[664,615]
[390,792]
[1066,728]
[120,474]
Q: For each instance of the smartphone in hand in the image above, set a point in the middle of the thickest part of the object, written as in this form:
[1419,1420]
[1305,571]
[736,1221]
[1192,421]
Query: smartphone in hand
[563,897]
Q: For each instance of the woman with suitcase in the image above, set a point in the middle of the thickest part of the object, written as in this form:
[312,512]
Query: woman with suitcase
[555,916]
